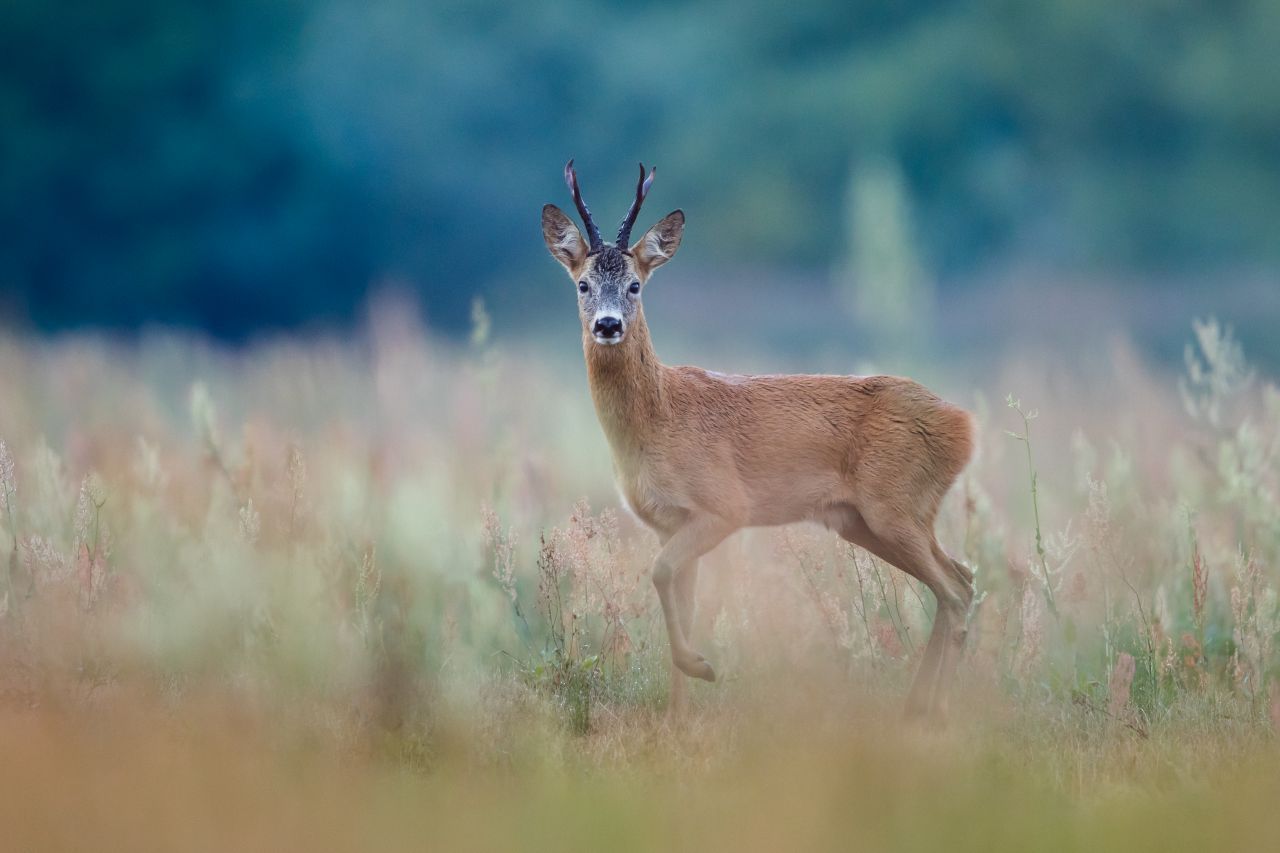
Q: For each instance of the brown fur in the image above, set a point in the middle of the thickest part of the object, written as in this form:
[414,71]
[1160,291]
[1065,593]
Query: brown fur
[699,455]
[768,450]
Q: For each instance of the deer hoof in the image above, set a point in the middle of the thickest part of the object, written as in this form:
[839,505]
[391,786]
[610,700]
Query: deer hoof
[697,667]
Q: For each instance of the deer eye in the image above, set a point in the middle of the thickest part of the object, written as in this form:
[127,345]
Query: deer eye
[634,288]
[583,287]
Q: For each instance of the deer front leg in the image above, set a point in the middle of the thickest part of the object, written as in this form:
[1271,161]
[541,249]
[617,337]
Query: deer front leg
[680,553]
[686,586]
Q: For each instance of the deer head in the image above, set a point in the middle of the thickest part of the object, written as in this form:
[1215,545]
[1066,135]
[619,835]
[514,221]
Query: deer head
[609,276]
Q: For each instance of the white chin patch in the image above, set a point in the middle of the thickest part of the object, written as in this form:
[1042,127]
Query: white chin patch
[608,341]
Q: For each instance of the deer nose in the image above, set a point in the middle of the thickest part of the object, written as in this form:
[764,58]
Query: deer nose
[608,327]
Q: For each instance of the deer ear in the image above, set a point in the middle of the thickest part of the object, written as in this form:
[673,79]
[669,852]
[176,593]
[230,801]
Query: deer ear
[563,239]
[659,243]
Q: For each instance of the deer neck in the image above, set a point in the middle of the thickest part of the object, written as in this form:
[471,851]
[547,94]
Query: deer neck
[626,386]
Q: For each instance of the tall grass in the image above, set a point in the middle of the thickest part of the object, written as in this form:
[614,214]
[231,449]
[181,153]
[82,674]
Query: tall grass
[402,559]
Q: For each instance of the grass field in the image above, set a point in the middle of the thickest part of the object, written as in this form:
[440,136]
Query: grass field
[375,595]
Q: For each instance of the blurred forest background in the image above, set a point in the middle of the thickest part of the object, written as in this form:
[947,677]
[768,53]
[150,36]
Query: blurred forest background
[241,167]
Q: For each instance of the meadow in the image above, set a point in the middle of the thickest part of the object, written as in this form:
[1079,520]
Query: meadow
[377,593]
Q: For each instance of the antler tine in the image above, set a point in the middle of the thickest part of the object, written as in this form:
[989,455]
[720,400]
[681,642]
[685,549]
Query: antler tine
[593,233]
[642,190]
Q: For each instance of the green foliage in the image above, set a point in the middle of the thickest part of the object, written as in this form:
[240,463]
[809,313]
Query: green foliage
[885,285]
[239,165]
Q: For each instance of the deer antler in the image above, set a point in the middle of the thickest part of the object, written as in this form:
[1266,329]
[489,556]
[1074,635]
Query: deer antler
[593,233]
[642,190]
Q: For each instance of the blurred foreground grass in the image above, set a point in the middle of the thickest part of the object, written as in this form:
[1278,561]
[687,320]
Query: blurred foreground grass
[367,595]
[215,781]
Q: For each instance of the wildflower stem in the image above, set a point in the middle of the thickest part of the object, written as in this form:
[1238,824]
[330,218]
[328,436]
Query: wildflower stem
[1041,556]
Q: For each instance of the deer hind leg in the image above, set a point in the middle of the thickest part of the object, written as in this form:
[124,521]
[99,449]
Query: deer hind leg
[913,549]
[681,552]
[962,572]
[962,586]
[920,699]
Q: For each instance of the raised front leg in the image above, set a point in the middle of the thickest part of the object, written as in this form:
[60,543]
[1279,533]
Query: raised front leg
[698,536]
[686,588]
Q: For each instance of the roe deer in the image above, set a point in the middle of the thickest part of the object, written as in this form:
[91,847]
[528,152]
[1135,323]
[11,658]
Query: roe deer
[698,454]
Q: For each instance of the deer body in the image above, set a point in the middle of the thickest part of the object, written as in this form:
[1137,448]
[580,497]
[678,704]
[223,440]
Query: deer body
[767,450]
[699,454]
